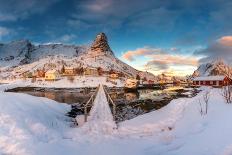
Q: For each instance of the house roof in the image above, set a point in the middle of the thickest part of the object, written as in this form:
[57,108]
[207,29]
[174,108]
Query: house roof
[68,68]
[52,71]
[209,78]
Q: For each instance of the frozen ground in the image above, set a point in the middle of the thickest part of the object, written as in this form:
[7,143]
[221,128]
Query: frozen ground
[78,82]
[32,125]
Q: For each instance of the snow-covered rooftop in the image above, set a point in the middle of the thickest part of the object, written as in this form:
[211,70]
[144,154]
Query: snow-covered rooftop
[69,68]
[209,78]
[52,71]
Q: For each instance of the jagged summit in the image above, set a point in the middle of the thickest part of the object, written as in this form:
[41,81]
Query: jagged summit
[22,56]
[100,45]
[218,67]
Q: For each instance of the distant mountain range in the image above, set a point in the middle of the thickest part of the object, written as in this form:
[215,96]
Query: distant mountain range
[218,67]
[21,56]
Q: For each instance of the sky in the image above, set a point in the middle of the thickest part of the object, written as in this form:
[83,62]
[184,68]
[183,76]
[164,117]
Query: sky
[160,36]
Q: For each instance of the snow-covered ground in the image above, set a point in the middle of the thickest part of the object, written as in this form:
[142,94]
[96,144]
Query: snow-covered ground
[78,82]
[32,125]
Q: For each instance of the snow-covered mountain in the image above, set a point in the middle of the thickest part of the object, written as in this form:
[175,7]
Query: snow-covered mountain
[23,52]
[217,67]
[21,56]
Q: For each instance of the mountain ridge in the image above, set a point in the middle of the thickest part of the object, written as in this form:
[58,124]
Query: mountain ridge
[22,56]
[217,67]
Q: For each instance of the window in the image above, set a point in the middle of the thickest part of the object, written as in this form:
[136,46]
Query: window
[220,83]
[214,82]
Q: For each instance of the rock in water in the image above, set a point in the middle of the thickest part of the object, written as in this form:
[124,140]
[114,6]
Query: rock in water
[100,46]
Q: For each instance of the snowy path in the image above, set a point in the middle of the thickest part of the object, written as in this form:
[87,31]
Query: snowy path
[100,119]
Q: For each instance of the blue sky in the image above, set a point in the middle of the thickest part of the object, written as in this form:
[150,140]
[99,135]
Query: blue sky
[181,30]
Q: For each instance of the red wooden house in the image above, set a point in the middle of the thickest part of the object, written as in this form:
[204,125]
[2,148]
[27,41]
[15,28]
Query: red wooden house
[217,81]
[151,82]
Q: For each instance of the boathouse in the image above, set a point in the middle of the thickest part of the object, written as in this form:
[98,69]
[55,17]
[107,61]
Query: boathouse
[217,81]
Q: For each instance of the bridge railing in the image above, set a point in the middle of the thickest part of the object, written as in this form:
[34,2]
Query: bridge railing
[90,102]
[110,101]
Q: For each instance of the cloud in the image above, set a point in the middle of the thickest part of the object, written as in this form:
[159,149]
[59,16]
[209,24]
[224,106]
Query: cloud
[226,40]
[159,18]
[3,32]
[112,13]
[219,49]
[7,17]
[165,60]
[66,38]
[158,59]
[130,55]
[12,10]
[221,16]
[78,24]
[98,6]
[157,15]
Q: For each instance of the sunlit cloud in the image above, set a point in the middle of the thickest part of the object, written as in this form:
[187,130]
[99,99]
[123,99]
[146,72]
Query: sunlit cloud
[131,55]
[226,40]
[218,49]
[158,60]
[173,60]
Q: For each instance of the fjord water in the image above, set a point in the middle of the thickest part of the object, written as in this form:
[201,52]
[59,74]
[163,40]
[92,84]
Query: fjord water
[128,104]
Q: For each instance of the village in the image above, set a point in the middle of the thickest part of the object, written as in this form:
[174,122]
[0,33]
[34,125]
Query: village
[115,77]
[112,76]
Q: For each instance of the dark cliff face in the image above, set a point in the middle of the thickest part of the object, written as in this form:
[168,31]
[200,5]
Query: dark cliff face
[14,49]
[101,46]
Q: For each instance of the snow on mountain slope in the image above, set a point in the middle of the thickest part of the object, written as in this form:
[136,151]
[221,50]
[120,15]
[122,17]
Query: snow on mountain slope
[22,56]
[23,52]
[42,51]
[15,52]
[214,68]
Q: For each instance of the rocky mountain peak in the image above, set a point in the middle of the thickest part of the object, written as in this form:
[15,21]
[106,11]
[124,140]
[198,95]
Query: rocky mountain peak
[100,45]
[218,67]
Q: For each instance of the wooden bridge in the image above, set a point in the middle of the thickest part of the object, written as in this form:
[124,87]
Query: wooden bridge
[100,117]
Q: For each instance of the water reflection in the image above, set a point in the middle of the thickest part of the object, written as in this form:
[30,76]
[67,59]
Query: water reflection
[132,104]
[128,104]
[69,96]
[132,96]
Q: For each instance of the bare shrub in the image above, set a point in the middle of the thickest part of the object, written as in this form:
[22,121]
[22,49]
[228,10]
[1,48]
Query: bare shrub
[204,104]
[71,79]
[227,93]
[33,80]
[201,107]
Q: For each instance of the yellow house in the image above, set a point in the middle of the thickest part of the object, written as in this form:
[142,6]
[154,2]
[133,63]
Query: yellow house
[114,76]
[52,75]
